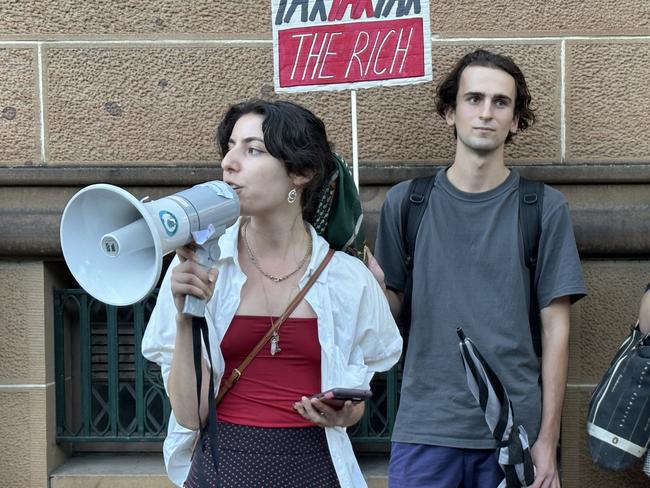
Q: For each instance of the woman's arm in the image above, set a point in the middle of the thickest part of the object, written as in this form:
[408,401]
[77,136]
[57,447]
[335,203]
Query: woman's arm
[373,344]
[188,278]
[181,384]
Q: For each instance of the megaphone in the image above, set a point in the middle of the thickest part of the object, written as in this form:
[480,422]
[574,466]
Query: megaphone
[113,243]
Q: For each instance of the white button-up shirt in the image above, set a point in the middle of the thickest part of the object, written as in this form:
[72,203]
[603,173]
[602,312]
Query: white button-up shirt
[356,332]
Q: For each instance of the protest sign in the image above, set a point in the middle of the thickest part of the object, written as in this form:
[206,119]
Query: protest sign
[348,44]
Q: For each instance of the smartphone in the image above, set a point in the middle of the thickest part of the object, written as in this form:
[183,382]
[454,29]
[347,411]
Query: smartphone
[336,397]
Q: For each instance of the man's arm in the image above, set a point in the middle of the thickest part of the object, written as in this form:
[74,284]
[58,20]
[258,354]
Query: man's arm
[555,359]
[644,313]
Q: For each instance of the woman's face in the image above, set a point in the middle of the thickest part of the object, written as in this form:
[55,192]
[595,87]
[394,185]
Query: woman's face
[260,180]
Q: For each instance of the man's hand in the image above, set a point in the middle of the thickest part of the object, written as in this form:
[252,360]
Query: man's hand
[544,455]
[375,269]
[644,313]
[394,299]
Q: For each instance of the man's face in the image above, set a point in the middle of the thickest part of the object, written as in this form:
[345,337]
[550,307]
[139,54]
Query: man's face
[484,113]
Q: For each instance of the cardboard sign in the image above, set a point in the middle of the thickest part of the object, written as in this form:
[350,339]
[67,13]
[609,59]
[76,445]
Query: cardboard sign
[346,44]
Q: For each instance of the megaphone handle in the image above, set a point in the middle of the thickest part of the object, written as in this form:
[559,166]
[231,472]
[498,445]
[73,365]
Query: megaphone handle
[194,306]
[207,255]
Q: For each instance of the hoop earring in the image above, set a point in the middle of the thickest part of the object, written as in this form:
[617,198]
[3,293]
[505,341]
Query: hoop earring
[291,196]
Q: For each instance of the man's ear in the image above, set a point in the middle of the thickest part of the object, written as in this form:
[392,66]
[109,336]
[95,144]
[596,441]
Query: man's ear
[514,127]
[450,116]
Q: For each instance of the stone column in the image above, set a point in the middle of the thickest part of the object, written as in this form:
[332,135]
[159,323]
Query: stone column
[28,448]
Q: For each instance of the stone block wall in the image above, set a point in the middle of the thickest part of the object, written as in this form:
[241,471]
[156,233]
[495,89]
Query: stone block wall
[130,92]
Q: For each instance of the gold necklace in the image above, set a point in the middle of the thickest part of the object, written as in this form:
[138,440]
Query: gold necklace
[275,279]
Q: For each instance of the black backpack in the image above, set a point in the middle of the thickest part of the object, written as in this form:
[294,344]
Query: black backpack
[531,198]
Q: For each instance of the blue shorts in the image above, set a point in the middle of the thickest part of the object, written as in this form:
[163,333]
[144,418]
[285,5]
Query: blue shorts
[422,466]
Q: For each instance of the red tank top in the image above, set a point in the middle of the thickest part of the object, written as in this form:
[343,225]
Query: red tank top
[265,393]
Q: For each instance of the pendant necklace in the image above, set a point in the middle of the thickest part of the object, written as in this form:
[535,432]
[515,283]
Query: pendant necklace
[275,337]
[275,343]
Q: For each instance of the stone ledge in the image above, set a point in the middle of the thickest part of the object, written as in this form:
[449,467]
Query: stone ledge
[140,470]
[609,220]
[135,470]
[375,469]
[370,173]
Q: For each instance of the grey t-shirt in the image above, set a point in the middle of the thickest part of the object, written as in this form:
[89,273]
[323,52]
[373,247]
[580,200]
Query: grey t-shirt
[469,271]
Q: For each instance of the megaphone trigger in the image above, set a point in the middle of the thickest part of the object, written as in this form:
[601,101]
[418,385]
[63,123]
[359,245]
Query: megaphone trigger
[214,252]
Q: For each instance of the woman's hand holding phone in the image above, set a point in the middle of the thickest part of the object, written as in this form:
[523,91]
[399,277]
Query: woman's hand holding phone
[336,397]
[324,415]
[334,408]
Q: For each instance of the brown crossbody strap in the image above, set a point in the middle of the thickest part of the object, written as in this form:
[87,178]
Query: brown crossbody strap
[237,372]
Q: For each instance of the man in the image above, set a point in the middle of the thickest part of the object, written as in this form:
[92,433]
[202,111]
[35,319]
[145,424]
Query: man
[469,271]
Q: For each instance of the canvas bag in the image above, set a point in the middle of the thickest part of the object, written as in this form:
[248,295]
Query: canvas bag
[618,423]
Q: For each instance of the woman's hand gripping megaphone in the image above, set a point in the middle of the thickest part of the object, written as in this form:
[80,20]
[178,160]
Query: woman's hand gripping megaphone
[192,281]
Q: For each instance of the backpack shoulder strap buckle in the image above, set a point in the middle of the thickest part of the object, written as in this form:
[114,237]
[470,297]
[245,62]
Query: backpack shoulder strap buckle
[416,198]
[530,198]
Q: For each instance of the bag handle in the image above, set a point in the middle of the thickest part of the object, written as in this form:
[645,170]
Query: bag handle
[237,372]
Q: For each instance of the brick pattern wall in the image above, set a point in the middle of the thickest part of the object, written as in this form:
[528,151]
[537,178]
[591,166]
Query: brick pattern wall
[141,83]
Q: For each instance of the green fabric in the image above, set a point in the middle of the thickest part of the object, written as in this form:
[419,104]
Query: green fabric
[339,214]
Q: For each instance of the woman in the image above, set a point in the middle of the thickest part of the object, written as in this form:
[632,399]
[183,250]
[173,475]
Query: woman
[270,432]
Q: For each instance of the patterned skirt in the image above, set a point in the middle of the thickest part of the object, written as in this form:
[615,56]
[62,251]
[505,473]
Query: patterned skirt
[260,457]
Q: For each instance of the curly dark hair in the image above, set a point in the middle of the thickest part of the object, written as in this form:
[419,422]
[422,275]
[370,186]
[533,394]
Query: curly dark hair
[292,134]
[448,88]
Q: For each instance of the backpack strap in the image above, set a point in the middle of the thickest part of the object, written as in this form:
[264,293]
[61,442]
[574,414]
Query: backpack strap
[413,207]
[531,200]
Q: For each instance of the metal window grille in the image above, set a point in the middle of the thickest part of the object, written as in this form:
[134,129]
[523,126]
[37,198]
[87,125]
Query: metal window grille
[106,391]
